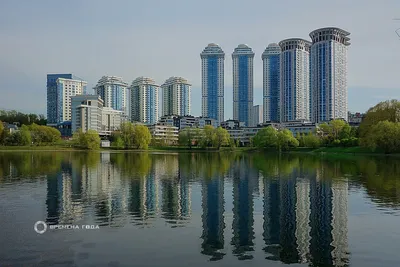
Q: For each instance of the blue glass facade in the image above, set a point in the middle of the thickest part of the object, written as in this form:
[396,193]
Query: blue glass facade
[52,96]
[244,89]
[212,87]
[151,101]
[185,99]
[274,87]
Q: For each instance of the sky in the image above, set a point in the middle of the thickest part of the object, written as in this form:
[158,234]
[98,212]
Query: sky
[163,38]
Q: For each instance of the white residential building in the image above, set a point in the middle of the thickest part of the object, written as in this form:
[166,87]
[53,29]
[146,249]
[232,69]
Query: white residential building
[88,113]
[176,97]
[144,100]
[329,74]
[257,115]
[114,92]
[212,82]
[242,59]
[67,88]
[295,80]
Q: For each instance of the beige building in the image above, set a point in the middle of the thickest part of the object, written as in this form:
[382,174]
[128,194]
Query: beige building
[88,113]
[164,133]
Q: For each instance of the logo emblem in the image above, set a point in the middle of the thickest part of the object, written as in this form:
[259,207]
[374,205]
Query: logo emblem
[35,227]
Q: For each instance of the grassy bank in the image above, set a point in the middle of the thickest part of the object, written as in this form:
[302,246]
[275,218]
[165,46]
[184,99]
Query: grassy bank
[177,149]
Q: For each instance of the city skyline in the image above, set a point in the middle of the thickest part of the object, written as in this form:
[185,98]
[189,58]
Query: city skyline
[23,65]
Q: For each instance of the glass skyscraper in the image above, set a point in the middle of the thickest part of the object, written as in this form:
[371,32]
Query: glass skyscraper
[295,80]
[242,58]
[176,97]
[329,74]
[271,83]
[52,96]
[212,82]
[113,90]
[60,88]
[144,100]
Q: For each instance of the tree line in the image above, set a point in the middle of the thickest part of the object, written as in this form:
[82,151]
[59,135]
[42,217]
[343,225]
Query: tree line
[20,118]
[34,134]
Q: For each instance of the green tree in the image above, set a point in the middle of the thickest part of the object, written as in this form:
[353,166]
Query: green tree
[286,140]
[384,135]
[127,133]
[208,136]
[142,137]
[186,137]
[25,136]
[311,140]
[266,137]
[384,111]
[2,133]
[337,127]
[89,140]
[221,137]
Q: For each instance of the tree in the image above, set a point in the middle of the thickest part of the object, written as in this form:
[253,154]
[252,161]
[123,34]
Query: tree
[221,137]
[336,127]
[208,136]
[89,140]
[142,137]
[186,137]
[312,141]
[286,140]
[25,136]
[2,137]
[127,133]
[384,135]
[384,111]
[266,137]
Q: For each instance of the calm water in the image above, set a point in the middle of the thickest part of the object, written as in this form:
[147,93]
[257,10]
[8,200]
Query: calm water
[199,210]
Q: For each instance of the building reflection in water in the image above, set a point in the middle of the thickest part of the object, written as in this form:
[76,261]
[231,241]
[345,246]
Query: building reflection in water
[244,182]
[305,220]
[304,213]
[213,217]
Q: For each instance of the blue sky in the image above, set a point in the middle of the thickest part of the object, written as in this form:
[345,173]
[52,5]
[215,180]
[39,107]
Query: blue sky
[159,39]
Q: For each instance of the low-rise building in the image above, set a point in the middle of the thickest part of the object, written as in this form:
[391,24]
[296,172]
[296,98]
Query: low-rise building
[355,119]
[111,120]
[232,124]
[299,127]
[88,113]
[164,133]
[11,128]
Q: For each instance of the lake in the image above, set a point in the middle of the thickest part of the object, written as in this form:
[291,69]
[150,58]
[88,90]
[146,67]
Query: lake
[198,209]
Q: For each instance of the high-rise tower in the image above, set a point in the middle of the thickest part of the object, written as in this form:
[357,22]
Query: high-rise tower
[242,58]
[176,97]
[212,82]
[144,100]
[114,92]
[295,80]
[271,83]
[329,74]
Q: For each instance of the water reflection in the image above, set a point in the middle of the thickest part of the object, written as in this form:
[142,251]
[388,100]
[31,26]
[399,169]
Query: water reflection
[304,198]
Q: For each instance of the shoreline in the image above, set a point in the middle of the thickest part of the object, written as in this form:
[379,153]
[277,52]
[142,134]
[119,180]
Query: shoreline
[355,151]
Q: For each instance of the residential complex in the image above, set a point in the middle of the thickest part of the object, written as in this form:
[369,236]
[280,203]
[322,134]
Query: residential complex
[176,97]
[212,82]
[304,84]
[295,80]
[242,58]
[329,74]
[114,92]
[271,83]
[144,100]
